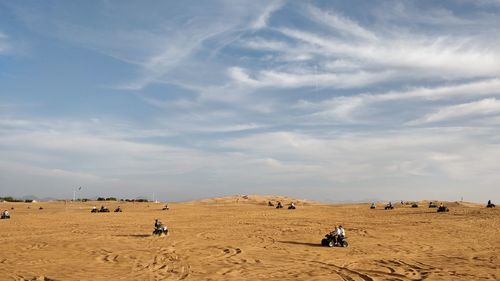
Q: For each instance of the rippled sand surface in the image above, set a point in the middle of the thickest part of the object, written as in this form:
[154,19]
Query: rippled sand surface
[240,238]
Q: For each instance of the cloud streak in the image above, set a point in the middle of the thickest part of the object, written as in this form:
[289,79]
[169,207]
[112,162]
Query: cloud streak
[4,44]
[263,18]
[483,107]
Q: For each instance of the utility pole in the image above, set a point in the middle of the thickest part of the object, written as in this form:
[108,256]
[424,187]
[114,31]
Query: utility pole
[74,193]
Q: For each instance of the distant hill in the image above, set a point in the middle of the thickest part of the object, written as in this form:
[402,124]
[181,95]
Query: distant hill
[255,199]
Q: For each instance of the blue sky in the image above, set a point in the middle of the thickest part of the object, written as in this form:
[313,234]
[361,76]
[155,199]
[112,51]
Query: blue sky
[329,100]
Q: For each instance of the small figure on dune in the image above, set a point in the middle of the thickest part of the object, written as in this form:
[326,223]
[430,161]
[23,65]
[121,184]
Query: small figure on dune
[414,205]
[389,206]
[118,209]
[270,204]
[41,208]
[292,206]
[5,215]
[490,205]
[160,229]
[442,208]
[372,205]
[279,205]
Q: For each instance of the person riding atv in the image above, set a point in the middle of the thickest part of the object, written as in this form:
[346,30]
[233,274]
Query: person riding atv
[336,238]
[490,205]
[292,206]
[279,205]
[442,208]
[5,215]
[160,229]
[118,209]
[270,204]
[389,206]
[372,206]
[103,209]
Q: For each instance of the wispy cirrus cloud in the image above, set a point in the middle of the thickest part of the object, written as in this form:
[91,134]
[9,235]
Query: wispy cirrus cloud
[4,44]
[407,58]
[171,41]
[341,24]
[262,19]
[347,51]
[278,79]
[483,107]
[349,107]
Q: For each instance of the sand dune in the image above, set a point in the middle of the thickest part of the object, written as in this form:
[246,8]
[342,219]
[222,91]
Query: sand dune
[254,199]
[236,238]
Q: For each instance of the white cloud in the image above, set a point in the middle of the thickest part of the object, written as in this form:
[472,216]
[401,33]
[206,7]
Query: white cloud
[265,44]
[278,79]
[341,24]
[350,157]
[472,109]
[350,52]
[449,58]
[239,74]
[4,43]
[70,154]
[471,89]
[346,107]
[261,21]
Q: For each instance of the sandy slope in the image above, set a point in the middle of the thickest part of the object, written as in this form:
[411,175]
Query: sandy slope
[236,239]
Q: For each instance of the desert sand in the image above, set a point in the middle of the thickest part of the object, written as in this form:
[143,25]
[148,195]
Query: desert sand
[240,238]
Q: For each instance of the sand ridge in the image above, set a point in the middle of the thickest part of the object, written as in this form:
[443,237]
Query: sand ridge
[228,239]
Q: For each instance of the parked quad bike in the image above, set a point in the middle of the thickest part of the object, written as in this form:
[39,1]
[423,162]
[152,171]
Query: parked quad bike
[100,210]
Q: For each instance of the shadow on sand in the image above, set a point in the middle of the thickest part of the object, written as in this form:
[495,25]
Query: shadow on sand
[301,243]
[136,235]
